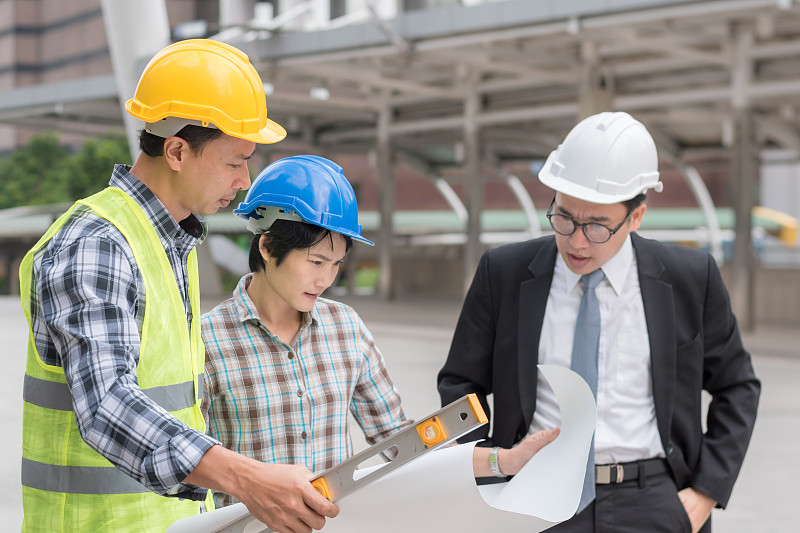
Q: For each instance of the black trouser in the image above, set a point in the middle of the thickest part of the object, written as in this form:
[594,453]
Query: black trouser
[649,505]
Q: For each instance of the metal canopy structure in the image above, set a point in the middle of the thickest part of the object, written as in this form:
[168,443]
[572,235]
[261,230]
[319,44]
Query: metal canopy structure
[470,88]
[533,67]
[476,87]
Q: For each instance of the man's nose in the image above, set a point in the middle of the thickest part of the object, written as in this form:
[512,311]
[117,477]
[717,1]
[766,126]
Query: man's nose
[243,181]
[578,237]
[331,277]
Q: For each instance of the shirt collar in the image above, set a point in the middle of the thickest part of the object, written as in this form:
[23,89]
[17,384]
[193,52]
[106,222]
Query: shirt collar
[615,269]
[247,308]
[165,225]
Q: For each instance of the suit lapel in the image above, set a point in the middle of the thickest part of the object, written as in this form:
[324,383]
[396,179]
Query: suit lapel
[659,313]
[533,294]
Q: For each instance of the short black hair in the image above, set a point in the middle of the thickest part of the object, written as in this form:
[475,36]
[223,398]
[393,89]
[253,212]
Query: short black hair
[288,235]
[196,136]
[631,204]
[635,202]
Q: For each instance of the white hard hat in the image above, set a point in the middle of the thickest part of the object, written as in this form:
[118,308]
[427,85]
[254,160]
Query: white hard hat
[605,159]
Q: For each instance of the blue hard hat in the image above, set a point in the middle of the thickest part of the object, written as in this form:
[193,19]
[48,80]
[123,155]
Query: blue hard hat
[305,188]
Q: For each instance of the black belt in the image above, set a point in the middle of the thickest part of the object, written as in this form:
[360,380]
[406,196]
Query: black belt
[619,472]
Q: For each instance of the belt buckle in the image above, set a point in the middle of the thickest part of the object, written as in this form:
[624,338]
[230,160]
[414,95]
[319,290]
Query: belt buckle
[603,474]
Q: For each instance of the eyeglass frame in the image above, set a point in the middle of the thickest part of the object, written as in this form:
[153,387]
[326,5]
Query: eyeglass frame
[582,225]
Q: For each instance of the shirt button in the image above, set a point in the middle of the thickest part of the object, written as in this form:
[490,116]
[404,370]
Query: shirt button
[299,393]
[290,355]
[304,434]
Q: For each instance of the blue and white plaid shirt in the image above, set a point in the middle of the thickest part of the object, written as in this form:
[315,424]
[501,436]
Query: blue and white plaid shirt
[87,310]
[289,403]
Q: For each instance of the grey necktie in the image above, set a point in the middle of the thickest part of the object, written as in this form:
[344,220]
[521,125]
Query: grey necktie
[584,361]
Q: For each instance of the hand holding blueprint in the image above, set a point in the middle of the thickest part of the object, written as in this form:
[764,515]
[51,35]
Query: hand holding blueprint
[438,490]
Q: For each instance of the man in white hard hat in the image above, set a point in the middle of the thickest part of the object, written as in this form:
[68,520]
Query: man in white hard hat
[647,324]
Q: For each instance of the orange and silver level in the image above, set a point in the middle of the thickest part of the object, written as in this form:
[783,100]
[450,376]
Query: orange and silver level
[440,428]
[437,430]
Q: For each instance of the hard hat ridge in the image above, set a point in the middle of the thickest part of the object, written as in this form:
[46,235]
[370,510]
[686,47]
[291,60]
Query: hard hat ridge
[606,158]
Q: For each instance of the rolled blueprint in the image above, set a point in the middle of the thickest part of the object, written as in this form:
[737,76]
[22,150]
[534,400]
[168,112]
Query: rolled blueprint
[438,491]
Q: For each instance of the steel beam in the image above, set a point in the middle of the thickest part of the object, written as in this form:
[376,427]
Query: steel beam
[474,179]
[386,199]
[744,172]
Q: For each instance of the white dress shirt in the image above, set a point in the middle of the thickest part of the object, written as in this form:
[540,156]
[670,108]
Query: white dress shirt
[626,423]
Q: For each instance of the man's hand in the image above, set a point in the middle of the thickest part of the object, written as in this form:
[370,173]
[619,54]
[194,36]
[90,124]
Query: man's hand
[512,460]
[279,495]
[282,497]
[698,506]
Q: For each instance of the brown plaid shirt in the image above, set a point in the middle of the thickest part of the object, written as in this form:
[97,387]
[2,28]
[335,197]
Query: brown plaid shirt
[283,403]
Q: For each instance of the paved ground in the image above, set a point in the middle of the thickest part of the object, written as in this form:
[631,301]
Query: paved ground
[414,337]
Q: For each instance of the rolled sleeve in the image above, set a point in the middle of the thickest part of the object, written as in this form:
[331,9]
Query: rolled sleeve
[376,402]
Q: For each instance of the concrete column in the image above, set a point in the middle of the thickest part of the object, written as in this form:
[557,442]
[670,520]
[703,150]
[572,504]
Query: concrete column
[235,12]
[594,93]
[321,13]
[209,275]
[473,179]
[386,199]
[135,31]
[744,181]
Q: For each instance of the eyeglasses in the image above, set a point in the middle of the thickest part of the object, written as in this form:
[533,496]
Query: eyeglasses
[594,232]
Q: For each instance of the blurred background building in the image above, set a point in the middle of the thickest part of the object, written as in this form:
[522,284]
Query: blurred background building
[442,111]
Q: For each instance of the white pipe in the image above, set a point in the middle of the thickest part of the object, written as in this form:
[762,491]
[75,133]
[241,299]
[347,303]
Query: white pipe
[525,200]
[452,198]
[703,197]
[135,31]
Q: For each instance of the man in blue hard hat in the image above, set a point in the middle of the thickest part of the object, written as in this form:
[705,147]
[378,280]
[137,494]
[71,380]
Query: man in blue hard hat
[284,365]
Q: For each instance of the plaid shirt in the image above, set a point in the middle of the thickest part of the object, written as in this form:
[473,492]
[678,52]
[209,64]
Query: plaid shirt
[282,403]
[87,311]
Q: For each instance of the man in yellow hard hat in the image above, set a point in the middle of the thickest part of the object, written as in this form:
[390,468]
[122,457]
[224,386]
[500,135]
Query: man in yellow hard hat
[114,375]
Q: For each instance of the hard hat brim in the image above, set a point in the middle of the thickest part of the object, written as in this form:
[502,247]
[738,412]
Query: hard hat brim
[581,193]
[270,134]
[356,237]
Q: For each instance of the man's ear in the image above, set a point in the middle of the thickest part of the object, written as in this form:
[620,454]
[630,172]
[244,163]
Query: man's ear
[263,241]
[175,152]
[637,215]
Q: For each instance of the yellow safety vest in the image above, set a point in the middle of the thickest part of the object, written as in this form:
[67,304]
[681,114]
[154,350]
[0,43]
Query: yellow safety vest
[67,486]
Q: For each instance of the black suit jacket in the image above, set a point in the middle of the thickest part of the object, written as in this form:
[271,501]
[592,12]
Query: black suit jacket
[694,341]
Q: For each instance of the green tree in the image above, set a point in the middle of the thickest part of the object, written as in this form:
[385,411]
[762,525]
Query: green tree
[26,175]
[44,172]
[87,171]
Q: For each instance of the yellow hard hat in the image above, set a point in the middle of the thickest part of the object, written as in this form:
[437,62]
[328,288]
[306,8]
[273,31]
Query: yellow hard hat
[210,82]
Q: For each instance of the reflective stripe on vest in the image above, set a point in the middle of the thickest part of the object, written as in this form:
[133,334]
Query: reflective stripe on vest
[78,479]
[54,395]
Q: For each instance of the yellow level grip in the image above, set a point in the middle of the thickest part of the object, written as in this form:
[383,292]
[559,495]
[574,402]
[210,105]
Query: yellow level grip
[431,432]
[477,408]
[322,487]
